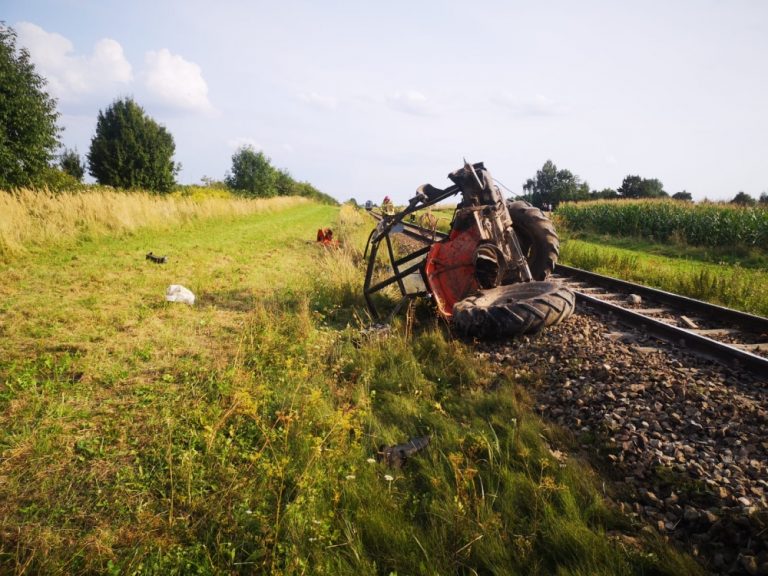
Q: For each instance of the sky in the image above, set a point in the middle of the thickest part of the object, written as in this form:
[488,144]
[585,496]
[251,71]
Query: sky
[365,99]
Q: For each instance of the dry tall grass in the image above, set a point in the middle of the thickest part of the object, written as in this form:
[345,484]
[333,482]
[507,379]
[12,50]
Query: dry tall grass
[39,218]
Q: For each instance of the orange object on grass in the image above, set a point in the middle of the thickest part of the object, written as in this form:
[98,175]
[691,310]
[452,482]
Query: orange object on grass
[450,269]
[325,237]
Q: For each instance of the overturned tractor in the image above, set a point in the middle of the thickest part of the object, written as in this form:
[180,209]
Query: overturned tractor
[489,276]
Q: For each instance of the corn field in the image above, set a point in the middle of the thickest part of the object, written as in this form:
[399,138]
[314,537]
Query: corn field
[703,224]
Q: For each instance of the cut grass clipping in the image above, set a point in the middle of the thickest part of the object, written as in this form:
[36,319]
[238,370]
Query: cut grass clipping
[236,436]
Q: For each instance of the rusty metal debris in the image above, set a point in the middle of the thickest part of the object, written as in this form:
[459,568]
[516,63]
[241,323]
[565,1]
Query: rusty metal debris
[156,259]
[397,455]
[487,275]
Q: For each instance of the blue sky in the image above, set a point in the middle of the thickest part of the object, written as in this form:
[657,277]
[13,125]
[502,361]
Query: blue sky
[367,99]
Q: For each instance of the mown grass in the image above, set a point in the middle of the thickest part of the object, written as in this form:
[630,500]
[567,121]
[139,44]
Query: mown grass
[33,218]
[235,436]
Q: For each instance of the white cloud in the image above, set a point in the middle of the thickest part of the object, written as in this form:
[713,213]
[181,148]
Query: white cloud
[318,100]
[411,102]
[244,141]
[175,81]
[538,105]
[71,76]
[108,58]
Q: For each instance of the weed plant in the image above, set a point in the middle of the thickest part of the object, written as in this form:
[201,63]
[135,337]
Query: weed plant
[239,436]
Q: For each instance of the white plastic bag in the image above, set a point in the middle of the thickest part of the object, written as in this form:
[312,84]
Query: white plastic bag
[177,293]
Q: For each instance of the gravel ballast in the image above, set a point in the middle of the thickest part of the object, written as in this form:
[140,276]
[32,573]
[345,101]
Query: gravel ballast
[683,437]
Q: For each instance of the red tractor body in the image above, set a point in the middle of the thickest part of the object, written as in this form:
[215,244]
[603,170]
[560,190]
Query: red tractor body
[487,276]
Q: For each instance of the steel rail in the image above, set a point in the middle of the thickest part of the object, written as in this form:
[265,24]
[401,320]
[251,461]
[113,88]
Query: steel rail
[676,335]
[724,315]
[725,353]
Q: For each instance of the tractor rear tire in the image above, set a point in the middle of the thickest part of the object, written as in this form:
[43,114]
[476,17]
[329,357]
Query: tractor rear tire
[513,309]
[537,237]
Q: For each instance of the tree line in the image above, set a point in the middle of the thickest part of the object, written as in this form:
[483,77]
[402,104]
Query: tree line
[552,186]
[129,149]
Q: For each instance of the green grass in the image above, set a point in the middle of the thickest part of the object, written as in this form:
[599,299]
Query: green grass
[733,285]
[743,256]
[717,253]
[142,437]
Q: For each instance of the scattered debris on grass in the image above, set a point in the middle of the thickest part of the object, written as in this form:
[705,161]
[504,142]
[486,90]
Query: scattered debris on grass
[178,293]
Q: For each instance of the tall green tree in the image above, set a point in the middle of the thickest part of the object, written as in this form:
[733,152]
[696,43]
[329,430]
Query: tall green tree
[685,196]
[552,186]
[604,194]
[252,174]
[71,163]
[28,129]
[131,150]
[743,199]
[284,183]
[636,187]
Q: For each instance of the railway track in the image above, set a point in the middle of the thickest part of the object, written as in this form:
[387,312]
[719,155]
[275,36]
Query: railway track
[729,336]
[734,338]
[654,408]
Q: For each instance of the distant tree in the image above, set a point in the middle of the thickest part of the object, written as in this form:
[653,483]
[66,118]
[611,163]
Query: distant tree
[306,189]
[743,199]
[631,187]
[28,130]
[71,163]
[604,194]
[252,173]
[636,187]
[131,150]
[284,183]
[209,182]
[57,180]
[553,186]
[763,198]
[654,188]
[685,196]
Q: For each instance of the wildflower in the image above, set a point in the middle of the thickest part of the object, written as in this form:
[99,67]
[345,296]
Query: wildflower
[350,476]
[371,460]
[388,478]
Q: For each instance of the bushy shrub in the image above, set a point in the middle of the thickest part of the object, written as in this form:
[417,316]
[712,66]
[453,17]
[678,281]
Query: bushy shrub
[252,174]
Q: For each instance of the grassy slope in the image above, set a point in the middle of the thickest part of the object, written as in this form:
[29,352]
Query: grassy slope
[692,272]
[743,256]
[143,437]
